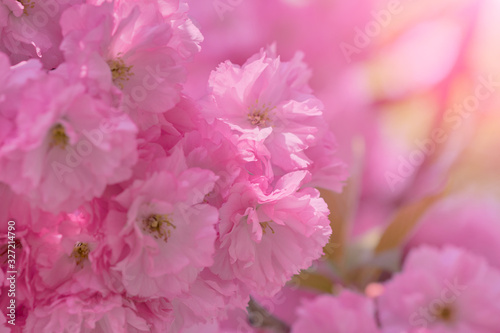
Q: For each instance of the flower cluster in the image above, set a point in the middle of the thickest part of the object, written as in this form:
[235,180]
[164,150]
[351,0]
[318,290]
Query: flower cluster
[412,93]
[448,283]
[138,207]
[438,291]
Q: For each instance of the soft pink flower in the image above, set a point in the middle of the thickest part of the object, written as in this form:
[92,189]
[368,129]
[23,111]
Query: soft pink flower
[61,146]
[133,46]
[268,101]
[442,291]
[266,238]
[162,236]
[65,260]
[345,313]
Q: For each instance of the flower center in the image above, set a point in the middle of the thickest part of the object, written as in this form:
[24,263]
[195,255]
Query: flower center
[58,136]
[258,115]
[27,4]
[265,225]
[120,71]
[444,313]
[159,226]
[80,252]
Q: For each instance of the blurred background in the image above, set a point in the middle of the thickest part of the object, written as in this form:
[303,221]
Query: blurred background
[412,92]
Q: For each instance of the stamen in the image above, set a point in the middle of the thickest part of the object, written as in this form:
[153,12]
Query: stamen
[258,115]
[445,313]
[120,71]
[27,4]
[58,136]
[265,225]
[80,252]
[159,226]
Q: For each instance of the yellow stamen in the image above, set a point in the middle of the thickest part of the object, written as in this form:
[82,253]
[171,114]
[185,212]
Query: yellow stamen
[27,4]
[265,225]
[58,136]
[80,252]
[159,226]
[445,313]
[258,115]
[120,71]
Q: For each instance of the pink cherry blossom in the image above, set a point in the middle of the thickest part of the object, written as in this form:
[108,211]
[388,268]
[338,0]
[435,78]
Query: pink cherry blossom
[442,291]
[78,144]
[266,238]
[139,207]
[67,260]
[268,101]
[138,50]
[167,233]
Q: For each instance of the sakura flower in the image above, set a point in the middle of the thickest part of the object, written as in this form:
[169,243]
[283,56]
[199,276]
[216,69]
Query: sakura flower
[268,101]
[132,46]
[162,236]
[442,291]
[346,313]
[266,238]
[61,146]
[66,260]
